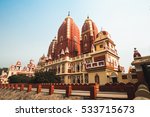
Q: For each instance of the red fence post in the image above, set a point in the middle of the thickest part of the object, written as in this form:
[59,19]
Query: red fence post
[21,87]
[11,86]
[8,86]
[29,88]
[4,86]
[39,88]
[51,89]
[130,92]
[68,90]
[93,92]
[16,86]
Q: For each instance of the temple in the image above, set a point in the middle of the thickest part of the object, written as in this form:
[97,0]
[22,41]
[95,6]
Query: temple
[89,57]
[17,69]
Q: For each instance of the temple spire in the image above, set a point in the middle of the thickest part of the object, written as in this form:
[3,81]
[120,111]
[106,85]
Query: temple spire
[68,13]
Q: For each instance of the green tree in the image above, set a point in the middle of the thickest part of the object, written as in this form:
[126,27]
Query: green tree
[46,77]
[20,78]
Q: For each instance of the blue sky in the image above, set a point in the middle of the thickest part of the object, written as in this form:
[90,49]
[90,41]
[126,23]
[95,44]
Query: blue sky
[28,26]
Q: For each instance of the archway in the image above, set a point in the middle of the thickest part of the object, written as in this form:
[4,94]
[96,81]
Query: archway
[114,77]
[97,80]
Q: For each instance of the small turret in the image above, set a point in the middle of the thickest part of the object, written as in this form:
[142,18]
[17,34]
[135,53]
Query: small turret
[136,54]
[92,48]
[62,53]
[66,51]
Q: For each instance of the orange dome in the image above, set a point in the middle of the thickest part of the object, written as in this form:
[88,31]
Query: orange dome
[89,32]
[68,36]
[52,49]
[90,26]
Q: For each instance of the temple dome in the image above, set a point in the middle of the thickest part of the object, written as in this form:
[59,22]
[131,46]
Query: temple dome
[68,36]
[89,26]
[52,48]
[102,35]
[88,35]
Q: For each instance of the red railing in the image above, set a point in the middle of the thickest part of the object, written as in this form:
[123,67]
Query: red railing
[130,88]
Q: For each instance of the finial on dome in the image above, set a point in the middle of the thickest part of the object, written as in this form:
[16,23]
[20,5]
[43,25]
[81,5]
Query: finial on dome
[68,13]
[134,49]
[88,17]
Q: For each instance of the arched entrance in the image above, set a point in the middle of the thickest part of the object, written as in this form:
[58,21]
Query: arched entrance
[114,77]
[97,80]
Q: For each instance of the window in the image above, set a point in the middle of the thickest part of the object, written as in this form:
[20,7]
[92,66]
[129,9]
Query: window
[85,45]
[78,79]
[61,38]
[62,79]
[86,78]
[78,67]
[85,37]
[111,46]
[74,79]
[101,46]
[114,80]
[97,78]
[58,69]
[63,68]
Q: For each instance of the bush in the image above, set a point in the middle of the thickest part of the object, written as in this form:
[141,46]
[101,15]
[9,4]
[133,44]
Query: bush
[20,78]
[46,77]
[40,77]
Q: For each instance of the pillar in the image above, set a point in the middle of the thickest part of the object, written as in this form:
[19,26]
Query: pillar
[51,89]
[130,92]
[39,88]
[93,92]
[68,90]
[29,88]
[16,86]
[11,86]
[4,86]
[8,86]
[21,87]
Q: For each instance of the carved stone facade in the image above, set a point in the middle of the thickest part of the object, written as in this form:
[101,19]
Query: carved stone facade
[17,69]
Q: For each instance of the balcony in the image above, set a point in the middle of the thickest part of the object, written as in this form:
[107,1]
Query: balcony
[95,64]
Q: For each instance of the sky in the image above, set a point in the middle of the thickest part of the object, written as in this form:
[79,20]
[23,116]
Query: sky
[28,26]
